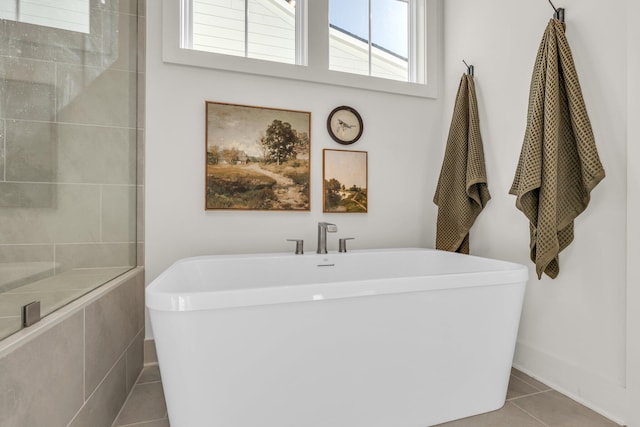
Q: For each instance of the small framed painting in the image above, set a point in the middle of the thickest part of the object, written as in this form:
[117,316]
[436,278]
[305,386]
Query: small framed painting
[344,181]
[257,158]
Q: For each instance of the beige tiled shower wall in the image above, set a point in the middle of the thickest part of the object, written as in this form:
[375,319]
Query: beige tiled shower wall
[76,368]
[71,133]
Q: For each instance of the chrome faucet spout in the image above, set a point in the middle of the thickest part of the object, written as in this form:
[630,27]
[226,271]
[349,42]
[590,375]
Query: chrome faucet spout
[323,229]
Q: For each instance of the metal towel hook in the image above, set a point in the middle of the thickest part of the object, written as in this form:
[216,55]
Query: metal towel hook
[470,68]
[559,12]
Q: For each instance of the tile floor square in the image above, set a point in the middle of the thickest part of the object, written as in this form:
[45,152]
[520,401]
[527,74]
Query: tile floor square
[530,403]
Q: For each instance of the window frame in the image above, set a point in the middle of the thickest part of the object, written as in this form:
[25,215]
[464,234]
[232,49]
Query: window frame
[315,35]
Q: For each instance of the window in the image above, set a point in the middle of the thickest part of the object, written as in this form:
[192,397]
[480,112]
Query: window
[370,37]
[262,29]
[72,15]
[372,44]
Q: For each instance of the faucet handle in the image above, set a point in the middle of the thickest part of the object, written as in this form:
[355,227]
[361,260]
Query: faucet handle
[299,245]
[342,243]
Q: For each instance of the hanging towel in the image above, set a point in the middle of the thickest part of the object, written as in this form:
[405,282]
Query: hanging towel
[559,163]
[462,190]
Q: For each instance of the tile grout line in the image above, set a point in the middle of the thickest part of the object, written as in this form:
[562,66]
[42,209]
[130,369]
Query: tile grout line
[130,391]
[84,399]
[54,247]
[55,95]
[531,415]
[24,244]
[105,377]
[527,395]
[84,352]
[100,219]
[141,422]
[54,122]
[526,381]
[86,184]
[53,258]
[115,420]
[136,386]
[149,382]
[4,150]
[70,244]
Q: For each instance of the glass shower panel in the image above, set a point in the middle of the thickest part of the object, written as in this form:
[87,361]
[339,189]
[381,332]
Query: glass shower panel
[68,138]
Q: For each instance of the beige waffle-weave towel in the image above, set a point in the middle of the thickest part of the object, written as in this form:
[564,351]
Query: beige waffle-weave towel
[559,163]
[462,190]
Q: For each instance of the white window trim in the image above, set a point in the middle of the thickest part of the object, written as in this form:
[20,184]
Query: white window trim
[317,54]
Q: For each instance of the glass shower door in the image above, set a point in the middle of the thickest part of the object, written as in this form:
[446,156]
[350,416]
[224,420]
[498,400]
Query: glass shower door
[68,138]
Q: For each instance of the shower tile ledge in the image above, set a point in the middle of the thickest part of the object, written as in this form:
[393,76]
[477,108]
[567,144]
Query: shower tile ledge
[12,342]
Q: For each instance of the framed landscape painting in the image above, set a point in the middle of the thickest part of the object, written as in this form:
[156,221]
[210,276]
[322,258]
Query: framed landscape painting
[257,158]
[344,181]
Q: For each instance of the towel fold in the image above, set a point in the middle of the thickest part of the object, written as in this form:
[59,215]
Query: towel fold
[559,163]
[462,190]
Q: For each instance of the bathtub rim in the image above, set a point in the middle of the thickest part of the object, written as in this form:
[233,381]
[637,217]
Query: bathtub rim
[186,301]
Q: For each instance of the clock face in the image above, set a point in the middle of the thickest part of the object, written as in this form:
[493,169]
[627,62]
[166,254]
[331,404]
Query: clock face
[345,125]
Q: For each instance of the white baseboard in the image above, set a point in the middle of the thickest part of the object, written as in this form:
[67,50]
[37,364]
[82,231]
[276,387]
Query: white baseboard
[602,395]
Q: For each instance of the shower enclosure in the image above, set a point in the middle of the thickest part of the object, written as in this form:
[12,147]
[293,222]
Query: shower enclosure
[69,128]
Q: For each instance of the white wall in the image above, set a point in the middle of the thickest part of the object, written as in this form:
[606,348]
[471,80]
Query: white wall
[573,331]
[633,212]
[399,135]
[579,332]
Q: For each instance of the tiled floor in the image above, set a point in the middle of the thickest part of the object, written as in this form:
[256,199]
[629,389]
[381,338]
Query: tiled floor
[145,406]
[529,404]
[532,404]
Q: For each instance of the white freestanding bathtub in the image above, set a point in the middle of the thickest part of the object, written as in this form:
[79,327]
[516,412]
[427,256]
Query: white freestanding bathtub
[378,338]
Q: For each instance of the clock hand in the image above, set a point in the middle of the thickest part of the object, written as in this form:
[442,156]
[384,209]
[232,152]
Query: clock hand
[344,124]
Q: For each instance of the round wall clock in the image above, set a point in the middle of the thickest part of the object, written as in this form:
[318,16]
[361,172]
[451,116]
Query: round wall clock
[344,125]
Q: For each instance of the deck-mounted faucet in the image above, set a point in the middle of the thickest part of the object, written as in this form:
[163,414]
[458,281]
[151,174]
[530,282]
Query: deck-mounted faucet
[323,229]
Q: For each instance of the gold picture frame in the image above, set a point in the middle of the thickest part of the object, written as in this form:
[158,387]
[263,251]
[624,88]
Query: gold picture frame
[257,158]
